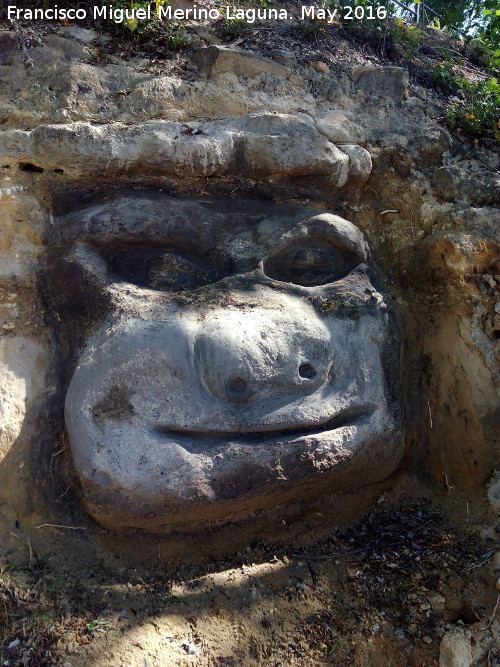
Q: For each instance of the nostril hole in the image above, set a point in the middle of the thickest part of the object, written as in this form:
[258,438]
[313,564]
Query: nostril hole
[307,371]
[236,387]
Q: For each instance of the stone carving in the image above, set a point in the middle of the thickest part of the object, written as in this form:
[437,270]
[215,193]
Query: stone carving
[223,356]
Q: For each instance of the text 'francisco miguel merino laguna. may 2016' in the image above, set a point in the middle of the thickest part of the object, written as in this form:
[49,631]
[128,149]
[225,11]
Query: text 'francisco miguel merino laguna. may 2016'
[196,13]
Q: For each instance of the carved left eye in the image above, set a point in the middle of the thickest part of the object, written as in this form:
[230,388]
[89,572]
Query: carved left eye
[162,269]
[174,272]
[311,266]
[311,263]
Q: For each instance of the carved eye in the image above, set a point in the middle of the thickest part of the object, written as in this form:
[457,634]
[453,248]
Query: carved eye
[161,269]
[312,263]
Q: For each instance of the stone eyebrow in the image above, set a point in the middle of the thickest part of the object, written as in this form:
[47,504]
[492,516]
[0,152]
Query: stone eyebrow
[326,226]
[348,234]
[131,220]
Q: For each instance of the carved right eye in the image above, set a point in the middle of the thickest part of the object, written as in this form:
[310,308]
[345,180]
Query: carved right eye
[312,263]
[161,269]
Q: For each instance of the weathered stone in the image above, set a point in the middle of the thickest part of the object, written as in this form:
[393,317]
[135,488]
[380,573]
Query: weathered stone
[320,66]
[21,378]
[339,129]
[455,650]
[390,82]
[360,163]
[81,34]
[276,143]
[481,187]
[495,562]
[254,145]
[236,355]
[213,60]
[493,493]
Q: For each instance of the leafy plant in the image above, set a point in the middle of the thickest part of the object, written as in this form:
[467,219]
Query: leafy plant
[478,114]
[162,32]
[444,78]
[311,28]
[410,37]
[230,29]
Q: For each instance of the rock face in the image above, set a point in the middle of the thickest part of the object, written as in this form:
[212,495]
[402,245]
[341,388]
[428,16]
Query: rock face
[243,352]
[85,133]
[252,145]
[390,82]
[213,60]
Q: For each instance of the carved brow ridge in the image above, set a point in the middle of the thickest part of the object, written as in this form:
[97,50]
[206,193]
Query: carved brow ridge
[158,218]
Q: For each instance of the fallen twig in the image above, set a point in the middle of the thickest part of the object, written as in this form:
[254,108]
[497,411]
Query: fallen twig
[493,614]
[57,525]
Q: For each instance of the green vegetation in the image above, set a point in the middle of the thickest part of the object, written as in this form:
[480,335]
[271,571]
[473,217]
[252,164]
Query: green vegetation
[478,115]
[162,32]
[475,25]
[230,29]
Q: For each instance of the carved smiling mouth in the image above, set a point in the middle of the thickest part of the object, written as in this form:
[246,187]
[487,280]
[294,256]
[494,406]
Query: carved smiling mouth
[269,434]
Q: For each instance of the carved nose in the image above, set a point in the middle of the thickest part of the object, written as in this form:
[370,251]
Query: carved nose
[246,358]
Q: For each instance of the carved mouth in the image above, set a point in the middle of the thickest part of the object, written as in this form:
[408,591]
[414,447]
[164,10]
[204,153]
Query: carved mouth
[272,433]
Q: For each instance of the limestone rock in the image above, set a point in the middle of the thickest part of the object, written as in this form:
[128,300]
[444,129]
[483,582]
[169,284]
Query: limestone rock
[360,163]
[81,34]
[455,650]
[276,143]
[21,377]
[213,60]
[339,129]
[481,187]
[493,493]
[320,66]
[254,145]
[389,82]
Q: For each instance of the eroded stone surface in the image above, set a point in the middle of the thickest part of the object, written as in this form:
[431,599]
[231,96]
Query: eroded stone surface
[241,351]
[252,145]
[213,60]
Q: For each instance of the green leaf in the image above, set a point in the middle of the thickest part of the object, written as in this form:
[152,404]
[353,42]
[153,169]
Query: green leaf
[94,624]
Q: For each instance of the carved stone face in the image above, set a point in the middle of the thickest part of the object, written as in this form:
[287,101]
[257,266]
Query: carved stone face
[236,354]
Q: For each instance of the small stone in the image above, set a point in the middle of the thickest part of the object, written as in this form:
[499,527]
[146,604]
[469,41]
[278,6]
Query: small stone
[427,640]
[81,34]
[8,326]
[320,67]
[437,602]
[190,648]
[216,59]
[493,493]
[455,650]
